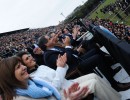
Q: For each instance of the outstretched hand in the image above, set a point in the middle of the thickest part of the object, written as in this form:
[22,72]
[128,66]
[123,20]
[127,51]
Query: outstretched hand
[75,92]
[75,32]
[66,41]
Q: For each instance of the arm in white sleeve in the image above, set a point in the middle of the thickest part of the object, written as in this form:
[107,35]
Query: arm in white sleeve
[60,76]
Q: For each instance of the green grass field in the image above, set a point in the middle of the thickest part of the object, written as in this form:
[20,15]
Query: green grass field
[112,17]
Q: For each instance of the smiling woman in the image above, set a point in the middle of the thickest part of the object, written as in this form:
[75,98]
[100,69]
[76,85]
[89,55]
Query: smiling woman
[8,81]
[28,60]
[14,79]
[45,82]
[21,73]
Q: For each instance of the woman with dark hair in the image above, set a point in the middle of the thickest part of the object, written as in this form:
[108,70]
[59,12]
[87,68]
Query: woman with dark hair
[8,80]
[57,78]
[14,80]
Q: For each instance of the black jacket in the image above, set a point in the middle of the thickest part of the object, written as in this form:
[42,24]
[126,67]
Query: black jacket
[50,57]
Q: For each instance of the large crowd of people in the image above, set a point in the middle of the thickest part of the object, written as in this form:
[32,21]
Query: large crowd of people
[38,64]
[124,5]
[120,30]
[12,43]
[54,51]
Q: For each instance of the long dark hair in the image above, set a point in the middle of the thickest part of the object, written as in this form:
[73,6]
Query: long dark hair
[20,55]
[8,81]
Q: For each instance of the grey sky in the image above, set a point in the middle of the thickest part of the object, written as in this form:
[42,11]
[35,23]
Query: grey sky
[18,14]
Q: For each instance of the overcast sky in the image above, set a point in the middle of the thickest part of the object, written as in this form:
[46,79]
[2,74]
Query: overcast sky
[18,14]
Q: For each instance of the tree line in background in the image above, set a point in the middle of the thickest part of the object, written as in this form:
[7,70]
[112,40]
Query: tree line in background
[83,10]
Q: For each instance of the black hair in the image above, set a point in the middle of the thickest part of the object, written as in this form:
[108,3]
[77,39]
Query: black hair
[20,54]
[41,42]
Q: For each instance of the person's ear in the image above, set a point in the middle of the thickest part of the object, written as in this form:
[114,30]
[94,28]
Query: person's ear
[46,44]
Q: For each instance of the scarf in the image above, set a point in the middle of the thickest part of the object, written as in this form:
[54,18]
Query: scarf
[38,88]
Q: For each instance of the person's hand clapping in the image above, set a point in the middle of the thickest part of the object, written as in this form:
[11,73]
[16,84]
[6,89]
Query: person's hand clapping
[75,92]
[75,32]
[61,61]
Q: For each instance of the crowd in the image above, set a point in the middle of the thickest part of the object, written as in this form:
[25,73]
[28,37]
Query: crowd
[49,63]
[43,58]
[121,31]
[12,43]
[21,41]
[124,5]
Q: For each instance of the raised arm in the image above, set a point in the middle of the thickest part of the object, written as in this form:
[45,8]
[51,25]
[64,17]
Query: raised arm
[60,71]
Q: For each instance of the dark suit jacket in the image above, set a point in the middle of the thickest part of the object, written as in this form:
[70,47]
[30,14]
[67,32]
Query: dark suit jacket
[50,57]
[86,62]
[86,65]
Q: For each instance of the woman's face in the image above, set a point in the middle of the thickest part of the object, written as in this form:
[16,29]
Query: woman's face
[21,73]
[28,60]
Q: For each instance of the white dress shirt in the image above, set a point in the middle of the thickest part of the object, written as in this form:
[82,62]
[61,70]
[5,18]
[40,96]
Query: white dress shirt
[55,77]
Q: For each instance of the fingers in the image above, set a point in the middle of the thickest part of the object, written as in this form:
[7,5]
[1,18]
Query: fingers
[65,94]
[58,59]
[61,61]
[59,32]
[64,58]
[75,31]
[59,56]
[74,87]
[75,93]
[82,93]
[87,92]
[78,95]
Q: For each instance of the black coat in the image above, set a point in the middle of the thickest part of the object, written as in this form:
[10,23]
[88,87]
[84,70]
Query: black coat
[50,57]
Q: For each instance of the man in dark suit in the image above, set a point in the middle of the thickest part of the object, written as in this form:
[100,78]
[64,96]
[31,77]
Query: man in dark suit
[86,62]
